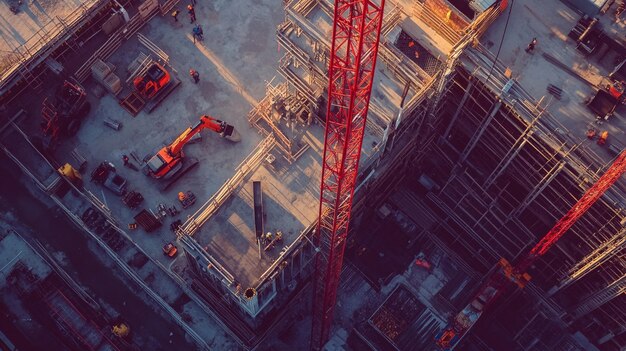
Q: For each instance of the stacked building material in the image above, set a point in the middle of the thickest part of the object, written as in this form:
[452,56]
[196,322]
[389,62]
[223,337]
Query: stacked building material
[102,72]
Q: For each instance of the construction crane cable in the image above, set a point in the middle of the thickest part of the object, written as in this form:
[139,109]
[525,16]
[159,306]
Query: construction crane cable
[506,26]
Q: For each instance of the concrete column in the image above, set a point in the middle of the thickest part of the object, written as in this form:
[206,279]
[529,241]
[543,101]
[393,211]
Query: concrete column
[251,301]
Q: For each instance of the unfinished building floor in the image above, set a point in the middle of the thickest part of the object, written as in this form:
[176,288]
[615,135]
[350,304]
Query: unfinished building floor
[290,196]
[477,164]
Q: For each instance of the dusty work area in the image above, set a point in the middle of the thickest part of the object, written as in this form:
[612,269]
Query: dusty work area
[226,89]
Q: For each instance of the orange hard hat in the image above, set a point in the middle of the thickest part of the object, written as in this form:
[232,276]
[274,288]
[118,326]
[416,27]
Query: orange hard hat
[189,7]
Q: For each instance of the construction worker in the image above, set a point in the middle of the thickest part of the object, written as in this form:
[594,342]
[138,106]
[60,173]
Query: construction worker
[192,13]
[268,237]
[531,46]
[603,136]
[175,15]
[200,32]
[591,133]
[195,75]
[197,33]
[128,164]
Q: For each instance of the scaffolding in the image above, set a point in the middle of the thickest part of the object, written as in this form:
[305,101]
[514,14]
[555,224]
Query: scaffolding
[24,66]
[505,170]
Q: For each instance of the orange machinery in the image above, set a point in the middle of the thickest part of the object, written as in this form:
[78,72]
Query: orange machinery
[150,83]
[169,160]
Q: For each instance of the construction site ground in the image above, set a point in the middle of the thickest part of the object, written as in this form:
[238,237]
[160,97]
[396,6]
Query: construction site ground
[533,72]
[236,58]
[235,61]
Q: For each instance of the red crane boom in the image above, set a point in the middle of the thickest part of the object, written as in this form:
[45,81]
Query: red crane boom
[356,32]
[612,174]
[448,338]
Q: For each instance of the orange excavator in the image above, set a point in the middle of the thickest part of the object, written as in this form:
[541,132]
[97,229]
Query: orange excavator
[168,162]
[152,81]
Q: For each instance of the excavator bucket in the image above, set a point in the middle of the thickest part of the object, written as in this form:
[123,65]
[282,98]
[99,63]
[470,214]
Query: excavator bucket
[231,134]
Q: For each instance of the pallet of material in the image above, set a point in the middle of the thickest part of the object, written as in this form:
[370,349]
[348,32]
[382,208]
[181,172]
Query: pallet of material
[113,83]
[147,221]
[99,70]
[133,103]
[103,73]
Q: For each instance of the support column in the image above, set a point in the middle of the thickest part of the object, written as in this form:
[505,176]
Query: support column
[481,130]
[469,89]
[600,255]
[547,179]
[512,153]
[251,301]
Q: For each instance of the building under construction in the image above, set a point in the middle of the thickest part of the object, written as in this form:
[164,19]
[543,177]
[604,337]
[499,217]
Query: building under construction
[37,290]
[475,146]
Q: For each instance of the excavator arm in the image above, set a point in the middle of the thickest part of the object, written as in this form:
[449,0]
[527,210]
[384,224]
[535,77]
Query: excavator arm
[168,159]
[206,122]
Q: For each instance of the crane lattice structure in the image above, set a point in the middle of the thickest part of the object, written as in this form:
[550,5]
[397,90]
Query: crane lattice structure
[612,174]
[356,32]
[497,283]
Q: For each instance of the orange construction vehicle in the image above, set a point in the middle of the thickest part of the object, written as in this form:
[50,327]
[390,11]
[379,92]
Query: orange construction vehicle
[169,160]
[170,250]
[152,81]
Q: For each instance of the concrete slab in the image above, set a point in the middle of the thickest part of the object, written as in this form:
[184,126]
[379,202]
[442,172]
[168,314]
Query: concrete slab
[234,61]
[427,37]
[534,72]
[290,201]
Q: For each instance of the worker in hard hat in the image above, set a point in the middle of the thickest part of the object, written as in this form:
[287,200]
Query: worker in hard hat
[603,136]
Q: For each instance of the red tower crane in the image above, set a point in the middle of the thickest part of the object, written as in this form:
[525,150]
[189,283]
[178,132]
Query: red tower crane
[497,283]
[356,33]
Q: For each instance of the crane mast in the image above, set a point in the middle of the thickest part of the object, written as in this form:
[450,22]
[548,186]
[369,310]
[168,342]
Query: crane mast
[505,273]
[354,47]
